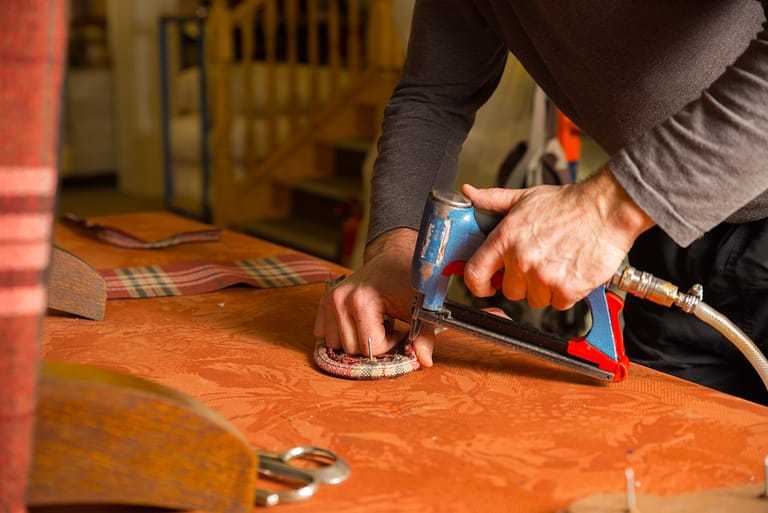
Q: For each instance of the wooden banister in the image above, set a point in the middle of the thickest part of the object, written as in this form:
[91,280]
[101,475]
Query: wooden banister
[292,47]
[219,30]
[309,56]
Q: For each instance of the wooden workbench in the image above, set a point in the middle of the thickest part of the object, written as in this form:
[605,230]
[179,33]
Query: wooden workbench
[486,429]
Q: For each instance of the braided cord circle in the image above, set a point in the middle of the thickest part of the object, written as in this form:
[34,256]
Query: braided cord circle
[399,361]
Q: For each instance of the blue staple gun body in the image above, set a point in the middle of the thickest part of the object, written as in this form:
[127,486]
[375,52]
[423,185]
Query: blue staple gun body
[451,231]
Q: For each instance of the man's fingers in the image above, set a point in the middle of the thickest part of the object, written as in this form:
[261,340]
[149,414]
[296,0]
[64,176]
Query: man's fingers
[538,294]
[489,258]
[349,316]
[481,267]
[382,333]
[361,317]
[319,329]
[514,286]
[493,199]
[347,329]
[479,271]
[563,302]
[424,344]
[326,327]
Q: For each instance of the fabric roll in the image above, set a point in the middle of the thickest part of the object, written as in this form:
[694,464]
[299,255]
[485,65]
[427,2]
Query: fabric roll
[32,49]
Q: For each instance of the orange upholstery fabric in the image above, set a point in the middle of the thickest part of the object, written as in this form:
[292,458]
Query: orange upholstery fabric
[487,429]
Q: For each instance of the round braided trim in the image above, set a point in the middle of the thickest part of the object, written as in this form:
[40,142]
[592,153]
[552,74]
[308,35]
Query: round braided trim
[401,360]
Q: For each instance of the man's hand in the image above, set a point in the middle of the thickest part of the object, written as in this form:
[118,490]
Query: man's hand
[555,244]
[354,309]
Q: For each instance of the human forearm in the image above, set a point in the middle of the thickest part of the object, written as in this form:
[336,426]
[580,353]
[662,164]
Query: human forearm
[398,241]
[706,164]
[451,69]
[621,214]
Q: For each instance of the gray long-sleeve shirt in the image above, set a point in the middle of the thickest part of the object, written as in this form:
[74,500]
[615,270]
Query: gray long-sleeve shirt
[675,91]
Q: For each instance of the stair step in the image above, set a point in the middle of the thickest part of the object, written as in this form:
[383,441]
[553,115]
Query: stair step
[357,145]
[320,204]
[338,188]
[342,157]
[315,238]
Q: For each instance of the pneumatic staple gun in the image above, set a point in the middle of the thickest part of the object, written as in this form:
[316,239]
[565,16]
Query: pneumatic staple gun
[450,233]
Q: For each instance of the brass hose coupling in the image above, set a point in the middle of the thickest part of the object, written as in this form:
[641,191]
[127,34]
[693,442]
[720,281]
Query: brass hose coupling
[646,286]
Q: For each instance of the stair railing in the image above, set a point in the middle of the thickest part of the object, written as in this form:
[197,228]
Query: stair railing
[323,46]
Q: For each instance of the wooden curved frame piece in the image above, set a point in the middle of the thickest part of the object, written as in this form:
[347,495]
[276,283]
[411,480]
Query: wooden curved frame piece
[103,437]
[75,287]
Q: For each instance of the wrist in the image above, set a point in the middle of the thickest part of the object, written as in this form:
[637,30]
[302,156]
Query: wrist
[400,241]
[616,206]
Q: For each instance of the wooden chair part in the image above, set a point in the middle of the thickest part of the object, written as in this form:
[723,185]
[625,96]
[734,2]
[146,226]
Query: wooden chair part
[104,437]
[75,287]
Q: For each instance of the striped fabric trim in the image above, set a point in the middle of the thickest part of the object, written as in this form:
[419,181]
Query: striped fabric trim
[200,277]
[26,233]
[24,256]
[123,239]
[28,181]
[22,300]
[30,227]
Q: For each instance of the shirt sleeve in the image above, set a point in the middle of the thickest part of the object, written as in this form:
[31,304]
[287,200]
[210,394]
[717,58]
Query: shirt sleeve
[707,163]
[452,66]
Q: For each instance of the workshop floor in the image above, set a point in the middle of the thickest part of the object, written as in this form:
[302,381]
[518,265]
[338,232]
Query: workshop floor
[88,200]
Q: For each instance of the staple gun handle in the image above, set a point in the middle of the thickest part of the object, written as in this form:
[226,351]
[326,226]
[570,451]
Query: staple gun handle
[451,231]
[457,268]
[603,345]
[486,220]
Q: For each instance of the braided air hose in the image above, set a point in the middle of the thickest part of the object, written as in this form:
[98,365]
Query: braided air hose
[646,286]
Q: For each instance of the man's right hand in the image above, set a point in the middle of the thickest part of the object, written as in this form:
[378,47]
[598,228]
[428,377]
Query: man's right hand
[354,310]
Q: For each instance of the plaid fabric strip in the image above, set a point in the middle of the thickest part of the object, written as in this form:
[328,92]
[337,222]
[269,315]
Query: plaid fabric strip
[123,239]
[200,277]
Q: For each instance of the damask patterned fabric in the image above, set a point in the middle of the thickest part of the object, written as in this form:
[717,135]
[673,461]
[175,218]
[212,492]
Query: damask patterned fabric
[485,429]
[32,43]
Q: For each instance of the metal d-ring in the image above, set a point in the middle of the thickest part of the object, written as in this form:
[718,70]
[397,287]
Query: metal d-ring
[275,468]
[278,466]
[333,473]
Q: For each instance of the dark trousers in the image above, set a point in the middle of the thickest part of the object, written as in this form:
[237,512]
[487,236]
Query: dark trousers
[731,262]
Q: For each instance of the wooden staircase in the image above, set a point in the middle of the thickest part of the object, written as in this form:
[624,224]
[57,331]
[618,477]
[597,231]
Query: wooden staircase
[307,193]
[324,211]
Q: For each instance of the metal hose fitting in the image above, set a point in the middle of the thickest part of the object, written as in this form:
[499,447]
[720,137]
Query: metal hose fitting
[646,286]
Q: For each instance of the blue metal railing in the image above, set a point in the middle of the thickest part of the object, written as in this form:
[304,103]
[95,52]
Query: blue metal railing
[204,211]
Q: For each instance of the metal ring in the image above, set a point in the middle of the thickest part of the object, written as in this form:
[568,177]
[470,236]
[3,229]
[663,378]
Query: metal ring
[334,473]
[276,467]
